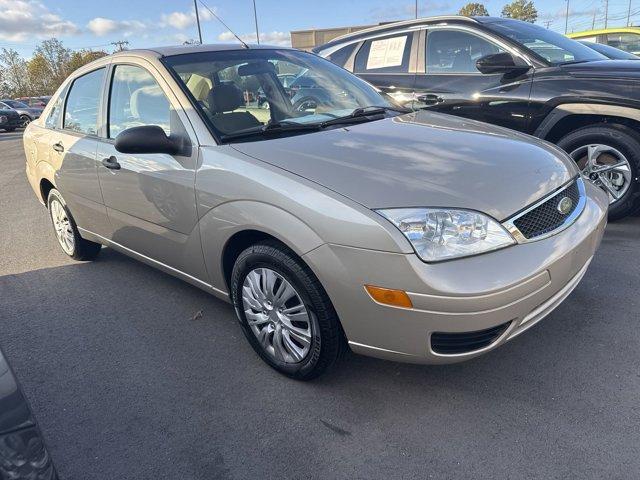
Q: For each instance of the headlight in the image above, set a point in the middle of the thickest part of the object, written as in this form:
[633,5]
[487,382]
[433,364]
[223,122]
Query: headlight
[445,233]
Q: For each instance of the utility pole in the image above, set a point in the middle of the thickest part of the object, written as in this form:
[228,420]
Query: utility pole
[566,19]
[255,18]
[606,13]
[195,5]
[629,15]
[547,23]
[120,45]
[416,8]
[593,22]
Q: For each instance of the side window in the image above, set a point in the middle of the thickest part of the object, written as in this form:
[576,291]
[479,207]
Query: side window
[340,57]
[629,42]
[53,119]
[81,112]
[454,51]
[385,55]
[136,100]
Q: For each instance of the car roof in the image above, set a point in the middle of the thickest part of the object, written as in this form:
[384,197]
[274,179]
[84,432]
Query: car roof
[390,27]
[602,31]
[184,49]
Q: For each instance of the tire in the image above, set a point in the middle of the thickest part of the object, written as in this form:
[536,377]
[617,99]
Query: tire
[326,342]
[76,247]
[620,140]
[24,121]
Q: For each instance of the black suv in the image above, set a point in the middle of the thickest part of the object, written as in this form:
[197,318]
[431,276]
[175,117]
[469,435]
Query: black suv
[517,75]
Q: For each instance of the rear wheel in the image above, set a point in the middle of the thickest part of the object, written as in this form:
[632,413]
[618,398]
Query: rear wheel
[609,155]
[285,313]
[66,230]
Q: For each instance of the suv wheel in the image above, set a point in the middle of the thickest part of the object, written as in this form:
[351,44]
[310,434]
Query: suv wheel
[610,157]
[285,313]
[67,231]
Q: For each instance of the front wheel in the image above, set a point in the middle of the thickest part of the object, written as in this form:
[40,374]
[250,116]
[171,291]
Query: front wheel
[25,120]
[284,311]
[609,156]
[66,230]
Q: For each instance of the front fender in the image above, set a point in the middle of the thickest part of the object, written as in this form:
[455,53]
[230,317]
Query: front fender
[562,111]
[219,224]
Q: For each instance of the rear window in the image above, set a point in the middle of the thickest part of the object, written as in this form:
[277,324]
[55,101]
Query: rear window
[81,112]
[389,54]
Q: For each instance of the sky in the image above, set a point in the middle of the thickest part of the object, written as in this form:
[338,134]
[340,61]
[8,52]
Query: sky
[93,24]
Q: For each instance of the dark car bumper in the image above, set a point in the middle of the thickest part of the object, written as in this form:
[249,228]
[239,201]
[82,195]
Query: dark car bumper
[22,450]
[9,121]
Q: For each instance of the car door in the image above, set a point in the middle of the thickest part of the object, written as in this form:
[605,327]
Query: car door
[451,83]
[150,198]
[389,63]
[71,140]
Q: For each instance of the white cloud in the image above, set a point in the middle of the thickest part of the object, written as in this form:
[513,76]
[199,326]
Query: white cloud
[24,19]
[101,26]
[269,38]
[183,20]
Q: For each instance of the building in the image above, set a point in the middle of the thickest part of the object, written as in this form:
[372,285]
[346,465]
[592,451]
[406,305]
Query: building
[308,39]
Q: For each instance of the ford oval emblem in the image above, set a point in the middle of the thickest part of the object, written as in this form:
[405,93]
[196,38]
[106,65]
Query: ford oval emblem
[565,205]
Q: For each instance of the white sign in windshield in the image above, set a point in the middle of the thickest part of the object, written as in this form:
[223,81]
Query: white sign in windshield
[386,53]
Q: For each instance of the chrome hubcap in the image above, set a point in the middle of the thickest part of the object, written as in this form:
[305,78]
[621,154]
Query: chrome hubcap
[62,226]
[606,167]
[277,315]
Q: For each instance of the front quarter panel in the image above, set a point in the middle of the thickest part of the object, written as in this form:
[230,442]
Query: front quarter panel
[236,192]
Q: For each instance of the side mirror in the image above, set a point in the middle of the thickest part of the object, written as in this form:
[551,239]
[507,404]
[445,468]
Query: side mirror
[147,139]
[502,62]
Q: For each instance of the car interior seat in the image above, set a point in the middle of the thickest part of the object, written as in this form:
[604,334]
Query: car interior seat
[222,100]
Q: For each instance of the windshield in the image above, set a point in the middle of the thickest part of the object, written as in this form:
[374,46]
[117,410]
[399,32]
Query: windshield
[553,47]
[253,90]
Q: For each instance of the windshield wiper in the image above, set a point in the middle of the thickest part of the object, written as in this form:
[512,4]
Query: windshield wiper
[270,128]
[362,114]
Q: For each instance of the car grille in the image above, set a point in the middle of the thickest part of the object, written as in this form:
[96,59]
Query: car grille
[547,217]
[448,343]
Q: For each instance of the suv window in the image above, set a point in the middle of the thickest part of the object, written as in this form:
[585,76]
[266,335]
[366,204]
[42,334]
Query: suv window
[136,100]
[53,119]
[340,56]
[389,54]
[454,51]
[629,42]
[81,112]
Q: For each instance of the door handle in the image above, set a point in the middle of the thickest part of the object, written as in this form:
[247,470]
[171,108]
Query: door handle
[58,147]
[111,163]
[430,99]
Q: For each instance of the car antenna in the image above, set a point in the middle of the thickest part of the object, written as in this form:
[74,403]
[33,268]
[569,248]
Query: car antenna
[244,44]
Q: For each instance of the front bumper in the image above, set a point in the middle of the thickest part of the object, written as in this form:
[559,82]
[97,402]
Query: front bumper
[11,122]
[518,285]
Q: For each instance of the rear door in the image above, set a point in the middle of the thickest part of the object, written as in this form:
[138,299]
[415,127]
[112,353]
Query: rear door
[150,198]
[452,83]
[71,143]
[389,63]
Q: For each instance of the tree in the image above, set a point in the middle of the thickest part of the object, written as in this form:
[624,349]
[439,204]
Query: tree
[474,10]
[521,10]
[81,58]
[14,73]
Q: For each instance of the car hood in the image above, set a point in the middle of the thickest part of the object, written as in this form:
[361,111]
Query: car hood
[605,68]
[423,159]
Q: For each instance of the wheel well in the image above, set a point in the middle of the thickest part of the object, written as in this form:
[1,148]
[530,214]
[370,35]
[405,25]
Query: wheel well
[236,245]
[45,188]
[573,122]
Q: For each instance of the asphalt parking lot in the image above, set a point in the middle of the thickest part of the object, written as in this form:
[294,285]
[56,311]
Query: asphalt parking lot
[133,374]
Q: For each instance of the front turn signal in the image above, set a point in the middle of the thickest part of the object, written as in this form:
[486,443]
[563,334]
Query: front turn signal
[387,296]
